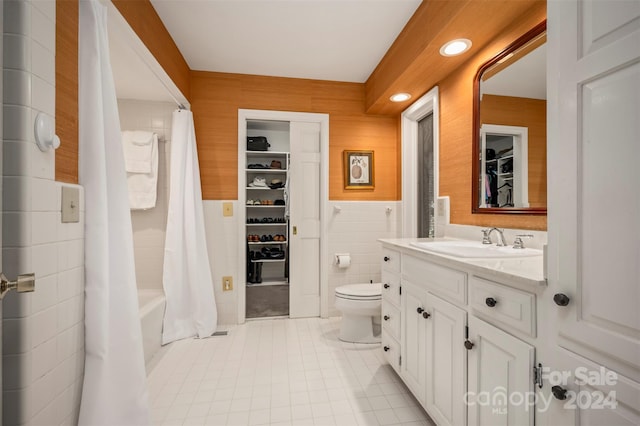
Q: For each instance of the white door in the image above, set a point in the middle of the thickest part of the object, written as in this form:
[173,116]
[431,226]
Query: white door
[446,360]
[305,216]
[414,336]
[500,372]
[594,201]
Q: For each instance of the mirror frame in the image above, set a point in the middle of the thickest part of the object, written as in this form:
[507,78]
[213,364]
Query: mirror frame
[475,139]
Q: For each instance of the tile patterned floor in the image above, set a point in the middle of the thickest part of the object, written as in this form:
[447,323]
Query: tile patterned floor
[279,372]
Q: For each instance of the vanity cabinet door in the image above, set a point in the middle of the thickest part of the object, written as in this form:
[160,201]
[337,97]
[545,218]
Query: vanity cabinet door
[446,359]
[413,331]
[500,377]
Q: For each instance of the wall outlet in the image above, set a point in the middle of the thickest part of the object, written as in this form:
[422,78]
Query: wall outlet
[227,283]
[227,209]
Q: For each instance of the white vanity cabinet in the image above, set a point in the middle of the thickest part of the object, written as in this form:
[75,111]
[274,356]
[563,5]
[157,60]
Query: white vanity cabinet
[391,308]
[466,342]
[433,356]
[500,373]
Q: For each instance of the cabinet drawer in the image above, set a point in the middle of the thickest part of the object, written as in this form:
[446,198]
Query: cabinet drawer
[440,280]
[503,305]
[390,260]
[391,288]
[391,351]
[391,319]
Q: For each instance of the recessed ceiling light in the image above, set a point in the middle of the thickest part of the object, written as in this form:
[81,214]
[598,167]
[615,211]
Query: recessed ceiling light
[400,97]
[455,47]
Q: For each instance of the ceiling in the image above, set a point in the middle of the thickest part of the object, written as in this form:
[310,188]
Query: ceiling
[340,40]
[526,78]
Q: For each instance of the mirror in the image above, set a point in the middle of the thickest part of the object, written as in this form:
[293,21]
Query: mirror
[509,129]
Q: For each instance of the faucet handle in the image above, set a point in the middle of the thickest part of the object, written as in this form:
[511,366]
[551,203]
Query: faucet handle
[518,243]
[485,236]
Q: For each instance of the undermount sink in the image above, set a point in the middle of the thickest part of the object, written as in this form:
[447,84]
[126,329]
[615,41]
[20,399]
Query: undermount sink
[474,249]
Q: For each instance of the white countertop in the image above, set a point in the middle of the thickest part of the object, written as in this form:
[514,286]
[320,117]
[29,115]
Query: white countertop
[527,271]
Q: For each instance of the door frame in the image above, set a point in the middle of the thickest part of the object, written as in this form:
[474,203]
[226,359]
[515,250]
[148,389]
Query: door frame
[323,120]
[429,103]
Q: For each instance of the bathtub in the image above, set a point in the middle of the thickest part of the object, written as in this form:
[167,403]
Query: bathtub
[151,303]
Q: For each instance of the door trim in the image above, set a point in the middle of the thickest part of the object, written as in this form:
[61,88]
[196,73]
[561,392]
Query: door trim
[429,103]
[323,120]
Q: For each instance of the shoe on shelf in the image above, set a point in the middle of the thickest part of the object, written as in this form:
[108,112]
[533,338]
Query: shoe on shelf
[249,202]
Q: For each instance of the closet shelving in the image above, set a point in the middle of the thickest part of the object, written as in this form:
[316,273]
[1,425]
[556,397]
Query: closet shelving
[503,182]
[267,228]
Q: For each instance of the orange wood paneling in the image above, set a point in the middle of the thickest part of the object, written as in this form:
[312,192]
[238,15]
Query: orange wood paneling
[456,130]
[146,23]
[67,90]
[413,63]
[216,98]
[530,113]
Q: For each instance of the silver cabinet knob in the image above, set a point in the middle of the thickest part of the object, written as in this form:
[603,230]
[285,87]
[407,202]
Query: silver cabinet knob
[25,283]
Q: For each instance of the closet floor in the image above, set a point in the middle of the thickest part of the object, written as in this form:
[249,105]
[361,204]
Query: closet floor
[267,301]
[279,372]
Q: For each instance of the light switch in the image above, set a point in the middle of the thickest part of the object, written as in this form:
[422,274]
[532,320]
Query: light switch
[227,209]
[70,204]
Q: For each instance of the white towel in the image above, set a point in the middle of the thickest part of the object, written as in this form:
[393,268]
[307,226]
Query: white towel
[138,150]
[143,187]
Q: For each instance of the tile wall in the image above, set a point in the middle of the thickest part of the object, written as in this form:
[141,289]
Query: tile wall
[354,228]
[43,332]
[149,226]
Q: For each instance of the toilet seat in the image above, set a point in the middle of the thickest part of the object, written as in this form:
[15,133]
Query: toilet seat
[359,291]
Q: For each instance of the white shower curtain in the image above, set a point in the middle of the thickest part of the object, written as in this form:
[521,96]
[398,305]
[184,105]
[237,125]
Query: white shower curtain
[188,287]
[114,391]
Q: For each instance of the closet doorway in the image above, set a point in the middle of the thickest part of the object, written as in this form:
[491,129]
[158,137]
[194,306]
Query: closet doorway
[282,181]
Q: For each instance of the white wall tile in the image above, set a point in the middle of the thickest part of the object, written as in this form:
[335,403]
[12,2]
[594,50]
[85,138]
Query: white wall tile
[17,52]
[44,358]
[16,159]
[16,87]
[48,336]
[42,163]
[43,96]
[70,254]
[16,370]
[222,246]
[45,325]
[44,227]
[70,283]
[16,195]
[17,124]
[47,7]
[43,391]
[45,259]
[45,195]
[22,403]
[16,336]
[15,305]
[42,27]
[17,17]
[149,226]
[16,229]
[46,293]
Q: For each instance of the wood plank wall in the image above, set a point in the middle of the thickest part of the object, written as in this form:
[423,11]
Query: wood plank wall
[530,113]
[456,130]
[67,90]
[216,98]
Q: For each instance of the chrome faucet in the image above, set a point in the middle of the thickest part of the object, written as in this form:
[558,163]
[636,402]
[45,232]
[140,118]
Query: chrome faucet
[486,237]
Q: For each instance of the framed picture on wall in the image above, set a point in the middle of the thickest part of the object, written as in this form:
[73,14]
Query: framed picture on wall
[358,169]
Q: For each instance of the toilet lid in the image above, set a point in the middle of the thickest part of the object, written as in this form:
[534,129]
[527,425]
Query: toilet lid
[360,291]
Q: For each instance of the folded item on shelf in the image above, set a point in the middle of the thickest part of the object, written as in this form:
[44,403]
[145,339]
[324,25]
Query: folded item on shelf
[258,182]
[276,164]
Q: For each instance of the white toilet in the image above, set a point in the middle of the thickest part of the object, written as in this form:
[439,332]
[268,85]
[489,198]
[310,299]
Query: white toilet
[361,306]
